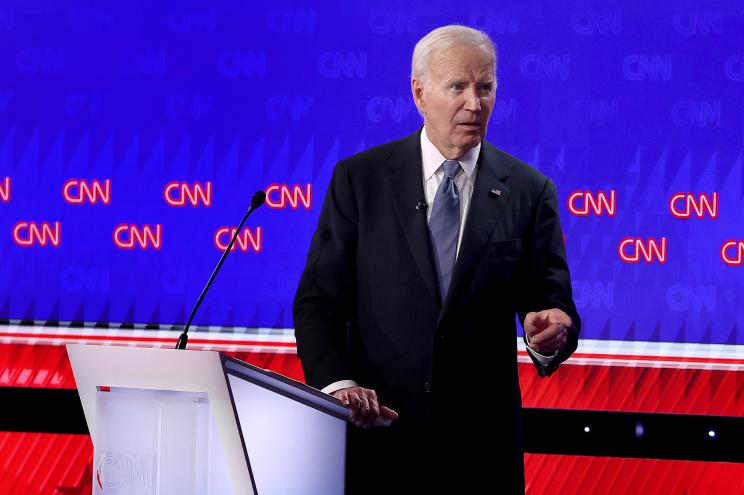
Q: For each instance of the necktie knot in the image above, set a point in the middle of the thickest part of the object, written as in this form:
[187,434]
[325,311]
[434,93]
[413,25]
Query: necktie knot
[451,167]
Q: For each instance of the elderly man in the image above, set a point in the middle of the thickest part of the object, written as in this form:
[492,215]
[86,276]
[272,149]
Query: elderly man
[425,250]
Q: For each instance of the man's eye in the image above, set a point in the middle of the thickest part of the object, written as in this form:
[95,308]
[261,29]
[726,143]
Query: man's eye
[486,88]
[456,87]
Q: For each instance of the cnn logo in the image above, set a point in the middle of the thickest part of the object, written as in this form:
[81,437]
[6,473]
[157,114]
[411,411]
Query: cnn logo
[732,253]
[280,196]
[29,234]
[179,194]
[585,203]
[80,191]
[685,205]
[130,236]
[246,241]
[5,190]
[635,250]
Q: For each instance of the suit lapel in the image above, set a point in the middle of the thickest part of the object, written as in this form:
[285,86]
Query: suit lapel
[490,198]
[407,186]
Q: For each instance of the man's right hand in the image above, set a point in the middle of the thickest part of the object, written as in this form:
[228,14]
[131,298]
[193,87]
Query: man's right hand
[363,406]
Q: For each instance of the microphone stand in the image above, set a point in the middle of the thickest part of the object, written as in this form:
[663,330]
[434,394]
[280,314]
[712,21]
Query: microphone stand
[257,200]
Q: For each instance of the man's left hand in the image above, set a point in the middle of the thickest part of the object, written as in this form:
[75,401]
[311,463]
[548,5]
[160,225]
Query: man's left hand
[546,330]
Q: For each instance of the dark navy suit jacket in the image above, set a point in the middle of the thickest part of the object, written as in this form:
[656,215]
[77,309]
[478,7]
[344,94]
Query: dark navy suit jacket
[368,307]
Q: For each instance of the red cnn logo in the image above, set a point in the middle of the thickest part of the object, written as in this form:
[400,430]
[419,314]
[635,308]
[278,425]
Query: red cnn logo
[732,253]
[246,240]
[29,234]
[598,204]
[178,193]
[682,205]
[632,249]
[129,236]
[79,191]
[279,195]
[5,190]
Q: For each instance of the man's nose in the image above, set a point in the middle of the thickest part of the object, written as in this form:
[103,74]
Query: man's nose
[472,100]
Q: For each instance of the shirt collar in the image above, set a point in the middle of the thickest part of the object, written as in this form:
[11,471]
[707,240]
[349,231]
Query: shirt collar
[432,158]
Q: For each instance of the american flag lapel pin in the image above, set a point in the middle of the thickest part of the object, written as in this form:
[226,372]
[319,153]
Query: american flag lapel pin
[495,192]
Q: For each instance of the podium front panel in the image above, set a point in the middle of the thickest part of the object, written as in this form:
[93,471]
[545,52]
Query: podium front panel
[152,441]
[294,436]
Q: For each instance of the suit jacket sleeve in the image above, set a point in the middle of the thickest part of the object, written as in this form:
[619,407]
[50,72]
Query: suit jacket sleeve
[326,295]
[547,283]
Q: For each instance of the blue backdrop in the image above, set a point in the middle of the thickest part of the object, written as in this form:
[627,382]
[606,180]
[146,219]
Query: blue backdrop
[640,100]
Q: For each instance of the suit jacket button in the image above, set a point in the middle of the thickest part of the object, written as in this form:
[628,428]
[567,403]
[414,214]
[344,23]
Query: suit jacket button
[427,387]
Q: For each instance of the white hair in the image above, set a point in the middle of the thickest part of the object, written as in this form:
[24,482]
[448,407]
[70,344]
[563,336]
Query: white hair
[444,37]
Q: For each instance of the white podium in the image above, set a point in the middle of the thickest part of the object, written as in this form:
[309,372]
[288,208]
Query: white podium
[166,421]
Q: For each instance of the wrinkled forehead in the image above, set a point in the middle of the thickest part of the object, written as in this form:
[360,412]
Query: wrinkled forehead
[453,58]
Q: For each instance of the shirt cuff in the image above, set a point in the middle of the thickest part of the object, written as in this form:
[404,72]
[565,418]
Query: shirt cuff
[335,386]
[542,358]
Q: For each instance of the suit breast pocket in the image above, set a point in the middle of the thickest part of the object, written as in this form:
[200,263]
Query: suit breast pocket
[499,265]
[510,246]
[501,261]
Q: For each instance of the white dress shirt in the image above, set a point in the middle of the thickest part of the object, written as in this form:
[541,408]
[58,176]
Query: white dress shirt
[433,173]
[431,161]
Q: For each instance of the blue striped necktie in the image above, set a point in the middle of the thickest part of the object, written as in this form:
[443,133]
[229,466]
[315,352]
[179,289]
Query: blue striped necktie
[444,224]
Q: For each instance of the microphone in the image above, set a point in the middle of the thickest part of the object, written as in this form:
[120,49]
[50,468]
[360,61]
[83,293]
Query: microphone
[421,206]
[258,199]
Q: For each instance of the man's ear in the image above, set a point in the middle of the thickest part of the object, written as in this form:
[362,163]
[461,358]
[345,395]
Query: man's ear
[417,90]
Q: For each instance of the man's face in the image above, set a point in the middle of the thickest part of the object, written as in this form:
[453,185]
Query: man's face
[457,98]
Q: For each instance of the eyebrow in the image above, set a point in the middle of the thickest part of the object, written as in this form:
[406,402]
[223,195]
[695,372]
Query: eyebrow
[451,81]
